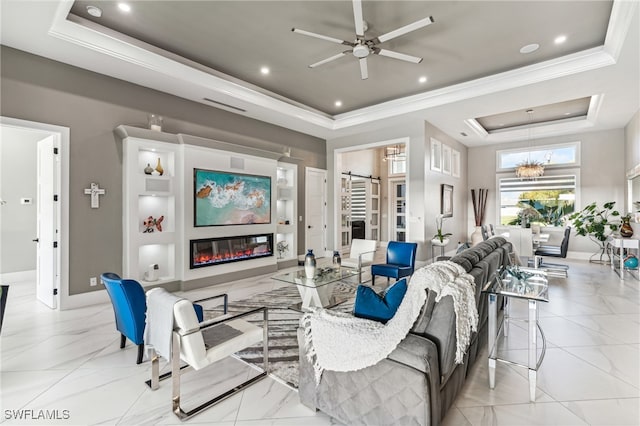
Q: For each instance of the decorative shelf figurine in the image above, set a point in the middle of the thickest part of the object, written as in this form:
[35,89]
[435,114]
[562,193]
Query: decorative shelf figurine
[151,224]
[159,168]
[148,170]
[155,122]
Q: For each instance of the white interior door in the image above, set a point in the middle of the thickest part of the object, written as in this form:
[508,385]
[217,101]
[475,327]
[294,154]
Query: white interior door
[398,210]
[316,210]
[47,238]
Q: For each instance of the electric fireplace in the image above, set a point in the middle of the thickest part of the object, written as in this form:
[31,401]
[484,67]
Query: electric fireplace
[216,251]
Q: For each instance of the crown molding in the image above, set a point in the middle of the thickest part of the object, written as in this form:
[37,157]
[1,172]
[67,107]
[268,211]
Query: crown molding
[162,71]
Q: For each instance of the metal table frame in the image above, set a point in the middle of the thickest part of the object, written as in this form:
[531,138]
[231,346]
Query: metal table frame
[495,330]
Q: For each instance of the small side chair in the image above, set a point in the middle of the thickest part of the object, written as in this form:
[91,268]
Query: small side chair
[401,261]
[130,307]
[361,255]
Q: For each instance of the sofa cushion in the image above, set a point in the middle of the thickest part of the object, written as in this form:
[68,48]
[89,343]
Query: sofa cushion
[423,319]
[371,306]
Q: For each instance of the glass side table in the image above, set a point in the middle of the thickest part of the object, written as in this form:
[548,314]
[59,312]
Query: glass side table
[521,283]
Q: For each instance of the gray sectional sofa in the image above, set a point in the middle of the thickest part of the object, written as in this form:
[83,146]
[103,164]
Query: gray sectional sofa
[417,383]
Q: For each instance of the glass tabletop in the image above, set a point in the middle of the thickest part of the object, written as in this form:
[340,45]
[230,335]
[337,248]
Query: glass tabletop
[322,277]
[524,283]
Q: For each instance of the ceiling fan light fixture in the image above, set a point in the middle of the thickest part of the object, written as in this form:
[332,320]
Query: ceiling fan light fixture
[361,51]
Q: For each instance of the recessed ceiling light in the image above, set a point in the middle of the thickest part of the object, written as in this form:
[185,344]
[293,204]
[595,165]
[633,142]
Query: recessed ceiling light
[94,11]
[264,70]
[567,113]
[422,79]
[530,48]
[560,39]
[124,7]
[338,103]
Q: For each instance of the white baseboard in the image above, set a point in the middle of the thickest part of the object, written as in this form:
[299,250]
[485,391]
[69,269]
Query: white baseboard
[85,299]
[10,277]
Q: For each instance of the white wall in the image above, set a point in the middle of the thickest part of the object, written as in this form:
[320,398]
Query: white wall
[423,187]
[433,181]
[212,159]
[602,176]
[632,155]
[18,179]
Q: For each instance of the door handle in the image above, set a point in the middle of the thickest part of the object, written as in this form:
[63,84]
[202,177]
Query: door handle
[37,240]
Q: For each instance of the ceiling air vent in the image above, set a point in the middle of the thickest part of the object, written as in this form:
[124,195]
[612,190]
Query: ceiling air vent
[225,105]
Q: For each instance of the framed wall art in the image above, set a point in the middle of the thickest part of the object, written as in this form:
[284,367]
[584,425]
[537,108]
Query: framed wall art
[223,198]
[446,200]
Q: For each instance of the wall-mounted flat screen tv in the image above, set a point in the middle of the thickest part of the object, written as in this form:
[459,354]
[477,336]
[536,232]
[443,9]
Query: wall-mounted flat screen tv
[223,198]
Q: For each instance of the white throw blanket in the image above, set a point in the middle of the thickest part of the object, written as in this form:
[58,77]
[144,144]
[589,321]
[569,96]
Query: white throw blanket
[341,342]
[455,282]
[157,333]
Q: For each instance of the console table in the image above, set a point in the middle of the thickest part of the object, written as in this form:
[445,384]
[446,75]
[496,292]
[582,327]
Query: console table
[520,283]
[632,243]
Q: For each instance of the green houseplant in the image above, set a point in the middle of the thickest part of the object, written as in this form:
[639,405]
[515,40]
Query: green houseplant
[440,236]
[598,223]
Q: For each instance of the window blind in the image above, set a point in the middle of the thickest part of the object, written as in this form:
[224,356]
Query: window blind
[544,183]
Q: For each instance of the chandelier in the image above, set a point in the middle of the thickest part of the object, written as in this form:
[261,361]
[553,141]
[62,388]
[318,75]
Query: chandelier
[529,169]
[394,153]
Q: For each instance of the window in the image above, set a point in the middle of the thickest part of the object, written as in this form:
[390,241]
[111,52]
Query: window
[550,156]
[398,166]
[546,200]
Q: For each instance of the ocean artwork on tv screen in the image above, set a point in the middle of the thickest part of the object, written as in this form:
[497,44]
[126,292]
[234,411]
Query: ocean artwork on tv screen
[223,198]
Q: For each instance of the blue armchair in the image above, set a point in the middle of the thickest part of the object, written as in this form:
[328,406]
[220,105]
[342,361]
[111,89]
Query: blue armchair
[130,307]
[401,261]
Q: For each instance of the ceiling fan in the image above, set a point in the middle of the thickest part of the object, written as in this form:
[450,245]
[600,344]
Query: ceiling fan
[363,47]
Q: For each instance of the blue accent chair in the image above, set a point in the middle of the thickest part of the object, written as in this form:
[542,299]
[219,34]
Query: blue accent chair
[130,307]
[401,261]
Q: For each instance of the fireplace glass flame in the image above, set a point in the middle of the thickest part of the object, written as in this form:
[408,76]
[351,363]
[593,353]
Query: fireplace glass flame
[215,251]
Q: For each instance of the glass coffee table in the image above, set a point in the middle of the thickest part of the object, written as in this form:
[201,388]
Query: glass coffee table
[520,283]
[317,291]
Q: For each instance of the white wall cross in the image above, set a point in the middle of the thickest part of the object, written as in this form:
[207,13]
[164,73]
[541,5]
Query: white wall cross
[95,191]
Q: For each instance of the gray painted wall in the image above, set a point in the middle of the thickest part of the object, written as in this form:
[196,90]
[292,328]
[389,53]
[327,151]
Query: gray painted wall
[92,105]
[602,176]
[18,179]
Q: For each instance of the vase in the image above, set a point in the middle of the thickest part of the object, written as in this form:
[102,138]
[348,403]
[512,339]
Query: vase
[626,230]
[437,242]
[159,168]
[148,170]
[476,236]
[309,264]
[337,260]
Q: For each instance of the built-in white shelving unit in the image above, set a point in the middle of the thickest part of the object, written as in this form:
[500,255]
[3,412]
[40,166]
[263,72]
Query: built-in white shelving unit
[287,212]
[151,196]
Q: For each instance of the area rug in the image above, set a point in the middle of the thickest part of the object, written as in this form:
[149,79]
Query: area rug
[283,325]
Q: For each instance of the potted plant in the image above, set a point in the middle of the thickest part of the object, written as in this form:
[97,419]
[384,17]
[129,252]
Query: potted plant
[440,239]
[598,224]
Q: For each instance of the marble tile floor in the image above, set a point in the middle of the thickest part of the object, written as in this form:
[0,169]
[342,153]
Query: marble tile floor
[70,360]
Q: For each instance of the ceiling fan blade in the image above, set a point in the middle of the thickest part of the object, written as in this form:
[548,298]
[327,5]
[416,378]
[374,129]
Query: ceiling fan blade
[364,72]
[406,29]
[322,37]
[357,16]
[332,58]
[397,55]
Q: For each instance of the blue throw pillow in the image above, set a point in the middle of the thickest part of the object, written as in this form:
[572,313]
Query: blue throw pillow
[371,306]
